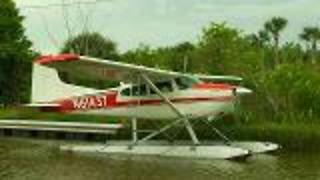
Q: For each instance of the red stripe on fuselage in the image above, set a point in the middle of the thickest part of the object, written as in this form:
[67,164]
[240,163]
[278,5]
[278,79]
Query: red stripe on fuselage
[110,102]
[174,100]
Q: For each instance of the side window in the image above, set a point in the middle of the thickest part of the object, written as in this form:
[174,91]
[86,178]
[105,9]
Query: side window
[163,87]
[139,90]
[135,91]
[126,92]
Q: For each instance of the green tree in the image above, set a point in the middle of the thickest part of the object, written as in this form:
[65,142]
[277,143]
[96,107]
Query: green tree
[91,44]
[176,58]
[275,26]
[292,53]
[311,35]
[294,90]
[305,36]
[143,55]
[224,50]
[260,39]
[15,56]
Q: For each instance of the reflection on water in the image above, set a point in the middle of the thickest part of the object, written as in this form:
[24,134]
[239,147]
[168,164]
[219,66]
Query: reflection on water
[22,159]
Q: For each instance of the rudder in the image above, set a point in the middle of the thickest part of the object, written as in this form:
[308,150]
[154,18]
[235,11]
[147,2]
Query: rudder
[47,86]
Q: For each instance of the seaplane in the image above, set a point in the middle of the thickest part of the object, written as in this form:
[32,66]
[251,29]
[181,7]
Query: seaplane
[144,93]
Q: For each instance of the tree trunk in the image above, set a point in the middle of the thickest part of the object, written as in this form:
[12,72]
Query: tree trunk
[276,50]
[314,51]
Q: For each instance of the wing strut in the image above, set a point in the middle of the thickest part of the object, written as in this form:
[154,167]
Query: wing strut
[182,116]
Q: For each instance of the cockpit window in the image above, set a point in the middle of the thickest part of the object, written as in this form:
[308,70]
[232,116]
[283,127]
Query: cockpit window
[143,90]
[135,91]
[139,90]
[164,86]
[185,83]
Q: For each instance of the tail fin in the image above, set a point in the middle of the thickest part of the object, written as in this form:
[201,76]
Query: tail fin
[47,86]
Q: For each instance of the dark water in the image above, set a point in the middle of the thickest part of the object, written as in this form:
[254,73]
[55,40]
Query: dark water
[25,159]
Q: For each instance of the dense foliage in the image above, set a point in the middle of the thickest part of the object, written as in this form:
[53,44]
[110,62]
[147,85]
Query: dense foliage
[91,44]
[15,56]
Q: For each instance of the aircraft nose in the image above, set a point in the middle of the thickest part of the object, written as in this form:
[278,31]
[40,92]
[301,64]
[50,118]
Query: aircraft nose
[242,90]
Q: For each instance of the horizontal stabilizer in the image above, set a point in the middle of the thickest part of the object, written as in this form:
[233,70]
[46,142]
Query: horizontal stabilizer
[39,105]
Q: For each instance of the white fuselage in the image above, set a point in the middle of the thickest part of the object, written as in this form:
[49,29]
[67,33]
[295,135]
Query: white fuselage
[194,103]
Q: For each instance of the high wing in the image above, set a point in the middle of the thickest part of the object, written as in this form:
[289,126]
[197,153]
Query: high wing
[90,68]
[95,69]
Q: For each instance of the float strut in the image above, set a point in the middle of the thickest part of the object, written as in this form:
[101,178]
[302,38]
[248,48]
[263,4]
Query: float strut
[174,109]
[134,130]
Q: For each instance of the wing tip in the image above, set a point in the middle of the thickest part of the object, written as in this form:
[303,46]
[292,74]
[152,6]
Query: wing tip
[47,59]
[219,77]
